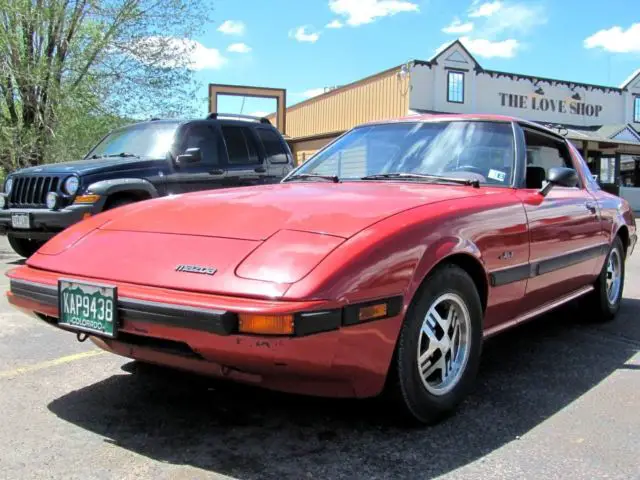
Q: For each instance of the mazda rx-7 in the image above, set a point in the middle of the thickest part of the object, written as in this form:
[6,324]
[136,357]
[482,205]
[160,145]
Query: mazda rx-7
[377,267]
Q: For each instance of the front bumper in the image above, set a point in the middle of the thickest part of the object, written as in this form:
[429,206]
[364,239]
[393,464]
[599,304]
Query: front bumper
[327,358]
[44,223]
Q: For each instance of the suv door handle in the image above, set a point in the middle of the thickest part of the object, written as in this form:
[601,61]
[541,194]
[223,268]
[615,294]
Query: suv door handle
[591,207]
[216,172]
[260,170]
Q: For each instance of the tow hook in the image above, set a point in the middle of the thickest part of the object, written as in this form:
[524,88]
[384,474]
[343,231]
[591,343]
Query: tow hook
[81,336]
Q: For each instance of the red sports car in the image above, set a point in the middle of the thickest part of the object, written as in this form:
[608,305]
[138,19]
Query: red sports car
[378,266]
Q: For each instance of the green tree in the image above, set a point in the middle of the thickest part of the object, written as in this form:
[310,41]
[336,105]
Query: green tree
[70,69]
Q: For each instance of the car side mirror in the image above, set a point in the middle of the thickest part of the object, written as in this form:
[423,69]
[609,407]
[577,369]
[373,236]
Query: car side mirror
[191,155]
[562,176]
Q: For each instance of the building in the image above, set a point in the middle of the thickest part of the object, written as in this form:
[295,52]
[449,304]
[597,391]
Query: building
[603,122]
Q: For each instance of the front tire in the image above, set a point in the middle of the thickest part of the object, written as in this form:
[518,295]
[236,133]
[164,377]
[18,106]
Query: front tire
[439,347]
[25,247]
[603,303]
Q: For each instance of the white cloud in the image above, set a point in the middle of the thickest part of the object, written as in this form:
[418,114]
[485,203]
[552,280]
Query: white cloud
[517,17]
[239,48]
[313,92]
[458,27]
[301,35]
[335,24]
[616,39]
[232,27]
[485,10]
[179,53]
[358,12]
[489,49]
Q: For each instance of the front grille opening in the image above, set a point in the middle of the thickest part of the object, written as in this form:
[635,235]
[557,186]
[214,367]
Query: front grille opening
[167,346]
[31,191]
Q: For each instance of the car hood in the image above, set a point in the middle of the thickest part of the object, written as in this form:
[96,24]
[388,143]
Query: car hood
[89,166]
[256,213]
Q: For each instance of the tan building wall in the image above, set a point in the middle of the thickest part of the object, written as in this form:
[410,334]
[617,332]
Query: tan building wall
[378,97]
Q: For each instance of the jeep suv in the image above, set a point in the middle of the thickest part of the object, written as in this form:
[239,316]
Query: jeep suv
[138,162]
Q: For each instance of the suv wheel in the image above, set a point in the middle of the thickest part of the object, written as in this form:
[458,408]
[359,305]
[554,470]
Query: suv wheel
[25,247]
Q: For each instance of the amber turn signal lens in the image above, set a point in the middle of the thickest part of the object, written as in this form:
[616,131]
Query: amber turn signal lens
[87,199]
[266,324]
[372,311]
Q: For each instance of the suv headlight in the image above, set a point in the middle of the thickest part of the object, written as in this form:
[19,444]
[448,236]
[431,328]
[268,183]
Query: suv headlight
[71,185]
[8,185]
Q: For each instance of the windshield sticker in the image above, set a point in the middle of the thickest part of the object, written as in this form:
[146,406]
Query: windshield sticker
[497,175]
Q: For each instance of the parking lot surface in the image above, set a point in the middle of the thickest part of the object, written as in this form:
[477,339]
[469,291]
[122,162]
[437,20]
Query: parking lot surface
[556,398]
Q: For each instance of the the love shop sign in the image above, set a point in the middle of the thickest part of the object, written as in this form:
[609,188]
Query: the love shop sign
[542,104]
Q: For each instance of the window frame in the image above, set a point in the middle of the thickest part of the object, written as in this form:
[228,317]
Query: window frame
[181,135]
[281,142]
[249,136]
[451,72]
[636,109]
[560,141]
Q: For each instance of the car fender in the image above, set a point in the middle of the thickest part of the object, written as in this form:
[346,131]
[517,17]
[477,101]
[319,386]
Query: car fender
[106,188]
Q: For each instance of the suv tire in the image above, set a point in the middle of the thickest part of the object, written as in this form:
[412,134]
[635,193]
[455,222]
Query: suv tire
[25,247]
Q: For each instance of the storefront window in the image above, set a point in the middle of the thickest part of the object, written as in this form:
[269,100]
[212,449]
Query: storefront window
[607,169]
[629,172]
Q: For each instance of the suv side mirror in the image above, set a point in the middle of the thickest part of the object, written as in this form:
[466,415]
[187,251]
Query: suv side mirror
[563,176]
[191,155]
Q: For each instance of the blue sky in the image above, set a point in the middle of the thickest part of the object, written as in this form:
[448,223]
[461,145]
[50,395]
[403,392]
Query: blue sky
[291,43]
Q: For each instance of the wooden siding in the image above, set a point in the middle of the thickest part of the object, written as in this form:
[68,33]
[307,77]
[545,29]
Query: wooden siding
[379,97]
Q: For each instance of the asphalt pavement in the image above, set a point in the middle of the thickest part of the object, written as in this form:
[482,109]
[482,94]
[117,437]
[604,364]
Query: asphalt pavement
[556,398]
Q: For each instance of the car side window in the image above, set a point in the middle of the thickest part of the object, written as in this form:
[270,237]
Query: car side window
[543,153]
[241,146]
[202,137]
[275,150]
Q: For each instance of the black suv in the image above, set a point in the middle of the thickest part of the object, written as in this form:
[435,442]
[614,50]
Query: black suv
[138,162]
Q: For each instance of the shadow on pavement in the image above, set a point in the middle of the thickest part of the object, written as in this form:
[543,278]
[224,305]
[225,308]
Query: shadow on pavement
[527,375]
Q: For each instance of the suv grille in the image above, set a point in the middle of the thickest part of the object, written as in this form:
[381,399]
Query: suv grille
[31,192]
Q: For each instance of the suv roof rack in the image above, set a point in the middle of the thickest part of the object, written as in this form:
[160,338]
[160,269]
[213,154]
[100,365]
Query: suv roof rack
[214,116]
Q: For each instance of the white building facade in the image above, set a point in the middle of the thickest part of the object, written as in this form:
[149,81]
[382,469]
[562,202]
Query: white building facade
[602,121]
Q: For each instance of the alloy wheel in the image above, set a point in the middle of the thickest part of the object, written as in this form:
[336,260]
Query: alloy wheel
[614,275]
[444,343]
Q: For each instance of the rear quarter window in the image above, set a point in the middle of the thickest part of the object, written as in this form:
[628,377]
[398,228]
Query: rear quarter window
[273,146]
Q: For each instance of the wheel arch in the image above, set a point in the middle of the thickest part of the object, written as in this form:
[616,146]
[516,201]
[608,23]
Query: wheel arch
[110,190]
[623,233]
[467,262]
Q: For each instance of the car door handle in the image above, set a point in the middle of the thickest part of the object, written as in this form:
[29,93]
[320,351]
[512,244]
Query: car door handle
[260,170]
[591,207]
[216,172]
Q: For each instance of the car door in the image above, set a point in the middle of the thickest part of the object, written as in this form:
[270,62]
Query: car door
[245,164]
[566,236]
[279,159]
[189,174]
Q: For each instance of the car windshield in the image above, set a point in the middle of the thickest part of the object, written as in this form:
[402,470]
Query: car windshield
[144,140]
[480,151]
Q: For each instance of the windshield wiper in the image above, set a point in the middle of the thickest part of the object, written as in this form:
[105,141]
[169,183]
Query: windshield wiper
[122,154]
[302,176]
[419,176]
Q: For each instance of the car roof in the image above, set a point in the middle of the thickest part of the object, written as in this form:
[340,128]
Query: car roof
[451,117]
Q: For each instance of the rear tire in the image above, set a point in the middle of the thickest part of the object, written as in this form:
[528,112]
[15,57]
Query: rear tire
[439,347]
[603,303]
[25,247]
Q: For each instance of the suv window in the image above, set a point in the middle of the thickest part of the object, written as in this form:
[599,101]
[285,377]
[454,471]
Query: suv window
[202,137]
[273,147]
[543,153]
[240,145]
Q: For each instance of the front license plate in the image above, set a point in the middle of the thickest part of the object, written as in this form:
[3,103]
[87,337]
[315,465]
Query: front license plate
[20,220]
[88,307]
